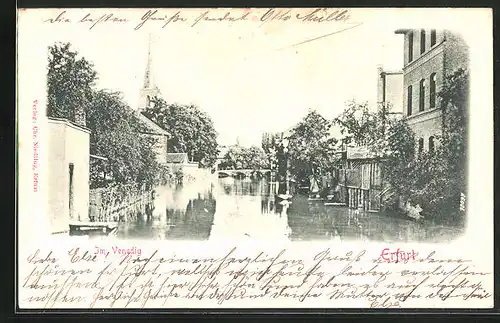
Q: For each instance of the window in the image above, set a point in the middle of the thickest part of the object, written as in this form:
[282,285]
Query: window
[421,99]
[420,145]
[433,37]
[422,41]
[431,144]
[410,47]
[432,91]
[410,99]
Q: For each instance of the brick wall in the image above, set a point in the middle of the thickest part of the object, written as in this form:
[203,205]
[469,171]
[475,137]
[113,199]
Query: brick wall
[444,57]
[419,70]
[440,35]
[426,125]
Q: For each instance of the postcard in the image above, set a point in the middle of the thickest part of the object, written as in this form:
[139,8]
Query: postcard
[224,158]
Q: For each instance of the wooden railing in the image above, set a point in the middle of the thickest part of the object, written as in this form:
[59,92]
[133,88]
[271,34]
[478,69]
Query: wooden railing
[108,205]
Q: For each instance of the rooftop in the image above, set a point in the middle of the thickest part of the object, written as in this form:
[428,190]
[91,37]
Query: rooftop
[362,152]
[392,72]
[177,158]
[402,30]
[151,126]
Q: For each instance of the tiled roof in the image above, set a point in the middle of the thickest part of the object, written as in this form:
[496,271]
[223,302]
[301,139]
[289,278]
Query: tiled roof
[150,126]
[177,158]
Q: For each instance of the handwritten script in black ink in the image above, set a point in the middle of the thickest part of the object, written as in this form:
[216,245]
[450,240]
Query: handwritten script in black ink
[164,18]
[88,19]
[155,279]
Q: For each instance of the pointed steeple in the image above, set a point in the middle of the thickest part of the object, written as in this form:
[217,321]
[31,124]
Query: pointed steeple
[149,89]
[147,74]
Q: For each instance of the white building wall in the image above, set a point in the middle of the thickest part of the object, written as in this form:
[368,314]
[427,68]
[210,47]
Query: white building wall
[67,144]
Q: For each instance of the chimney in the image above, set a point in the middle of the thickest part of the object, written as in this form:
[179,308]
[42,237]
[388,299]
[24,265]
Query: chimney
[380,84]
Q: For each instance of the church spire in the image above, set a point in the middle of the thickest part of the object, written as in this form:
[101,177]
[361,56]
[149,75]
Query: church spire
[147,75]
[149,89]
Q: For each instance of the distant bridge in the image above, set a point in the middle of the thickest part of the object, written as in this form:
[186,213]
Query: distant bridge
[243,172]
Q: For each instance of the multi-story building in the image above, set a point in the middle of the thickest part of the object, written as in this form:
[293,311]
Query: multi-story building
[429,56]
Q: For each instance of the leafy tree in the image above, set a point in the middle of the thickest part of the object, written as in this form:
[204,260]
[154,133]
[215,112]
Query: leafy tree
[311,149]
[239,157]
[434,180]
[115,130]
[271,145]
[357,122]
[270,142]
[69,80]
[256,158]
[115,135]
[192,130]
[399,161]
[365,127]
[454,102]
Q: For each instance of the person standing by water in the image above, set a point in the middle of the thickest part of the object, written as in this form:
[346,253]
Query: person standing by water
[314,187]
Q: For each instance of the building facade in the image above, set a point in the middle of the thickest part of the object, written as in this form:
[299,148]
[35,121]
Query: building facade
[160,136]
[68,172]
[390,89]
[429,56]
[179,162]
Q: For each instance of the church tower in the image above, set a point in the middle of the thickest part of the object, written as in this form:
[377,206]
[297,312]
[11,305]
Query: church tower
[149,88]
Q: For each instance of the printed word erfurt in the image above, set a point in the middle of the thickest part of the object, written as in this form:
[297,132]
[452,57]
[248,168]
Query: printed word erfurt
[118,251]
[34,166]
[398,255]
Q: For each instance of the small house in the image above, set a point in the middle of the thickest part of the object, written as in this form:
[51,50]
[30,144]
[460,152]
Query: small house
[362,179]
[153,131]
[180,162]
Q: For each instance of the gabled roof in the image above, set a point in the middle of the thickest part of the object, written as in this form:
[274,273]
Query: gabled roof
[177,158]
[150,126]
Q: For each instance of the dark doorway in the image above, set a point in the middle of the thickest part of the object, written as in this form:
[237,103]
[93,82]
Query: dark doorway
[71,194]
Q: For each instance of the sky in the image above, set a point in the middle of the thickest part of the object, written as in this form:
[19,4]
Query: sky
[247,78]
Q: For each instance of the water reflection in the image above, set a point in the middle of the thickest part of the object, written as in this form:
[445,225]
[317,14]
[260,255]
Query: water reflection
[246,209]
[179,212]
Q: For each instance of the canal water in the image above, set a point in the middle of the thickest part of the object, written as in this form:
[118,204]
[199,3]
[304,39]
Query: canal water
[236,209]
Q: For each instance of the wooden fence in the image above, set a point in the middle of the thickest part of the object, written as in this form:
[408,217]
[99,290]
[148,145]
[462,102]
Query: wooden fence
[361,186]
[111,205]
